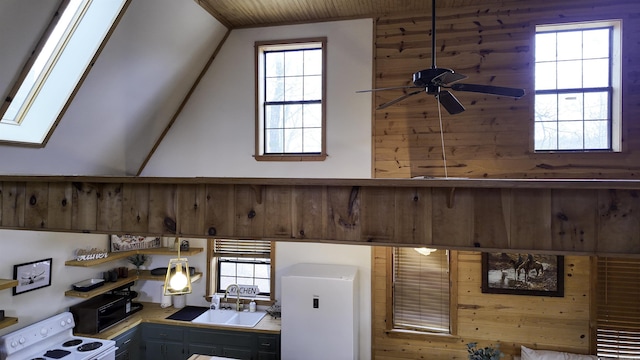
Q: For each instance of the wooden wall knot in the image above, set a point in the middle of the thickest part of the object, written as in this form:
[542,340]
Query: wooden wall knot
[212,231]
[562,216]
[33,200]
[251,214]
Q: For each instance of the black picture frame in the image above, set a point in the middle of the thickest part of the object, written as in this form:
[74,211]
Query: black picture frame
[32,275]
[508,273]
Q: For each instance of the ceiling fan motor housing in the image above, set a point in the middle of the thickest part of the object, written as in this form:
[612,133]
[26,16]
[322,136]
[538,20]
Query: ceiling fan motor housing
[426,77]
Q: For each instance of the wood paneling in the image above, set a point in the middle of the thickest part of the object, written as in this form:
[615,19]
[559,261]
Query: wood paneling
[564,217]
[491,44]
[510,320]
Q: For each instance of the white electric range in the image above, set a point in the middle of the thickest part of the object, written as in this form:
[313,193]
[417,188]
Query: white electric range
[53,338]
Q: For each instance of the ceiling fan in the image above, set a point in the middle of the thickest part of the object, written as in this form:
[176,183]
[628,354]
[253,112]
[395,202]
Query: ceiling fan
[434,79]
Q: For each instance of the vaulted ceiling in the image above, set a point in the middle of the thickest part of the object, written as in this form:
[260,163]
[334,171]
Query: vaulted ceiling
[256,13]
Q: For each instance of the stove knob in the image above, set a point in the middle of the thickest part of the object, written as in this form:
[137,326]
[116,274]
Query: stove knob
[22,340]
[69,321]
[14,344]
[44,331]
[62,323]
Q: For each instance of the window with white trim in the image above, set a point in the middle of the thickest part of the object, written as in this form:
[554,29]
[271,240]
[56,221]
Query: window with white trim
[421,288]
[241,262]
[578,87]
[291,88]
[59,62]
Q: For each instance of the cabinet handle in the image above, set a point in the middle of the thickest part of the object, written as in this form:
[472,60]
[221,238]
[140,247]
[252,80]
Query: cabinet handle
[126,342]
[265,344]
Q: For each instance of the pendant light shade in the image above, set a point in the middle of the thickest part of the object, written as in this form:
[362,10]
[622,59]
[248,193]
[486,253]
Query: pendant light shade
[178,280]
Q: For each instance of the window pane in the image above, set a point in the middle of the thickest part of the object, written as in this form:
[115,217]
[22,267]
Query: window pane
[274,142]
[596,106]
[546,47]
[243,280]
[264,285]
[274,62]
[546,107]
[596,134]
[546,136]
[293,141]
[570,135]
[546,76]
[274,116]
[312,140]
[313,87]
[596,73]
[294,88]
[293,63]
[245,270]
[313,115]
[227,269]
[263,270]
[569,45]
[225,281]
[596,43]
[570,106]
[570,74]
[275,89]
[313,62]
[293,116]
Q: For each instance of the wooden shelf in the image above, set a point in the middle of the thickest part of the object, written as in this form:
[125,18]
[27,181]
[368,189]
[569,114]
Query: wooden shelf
[108,286]
[8,321]
[113,256]
[8,283]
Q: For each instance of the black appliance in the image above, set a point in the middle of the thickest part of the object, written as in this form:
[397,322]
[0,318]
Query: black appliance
[99,313]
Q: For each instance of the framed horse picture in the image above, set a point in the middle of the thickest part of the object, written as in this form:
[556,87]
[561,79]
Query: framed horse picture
[523,274]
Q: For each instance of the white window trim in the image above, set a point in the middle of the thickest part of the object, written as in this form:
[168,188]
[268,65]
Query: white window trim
[616,75]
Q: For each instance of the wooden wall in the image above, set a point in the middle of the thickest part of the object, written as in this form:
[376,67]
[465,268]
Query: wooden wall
[490,44]
[561,323]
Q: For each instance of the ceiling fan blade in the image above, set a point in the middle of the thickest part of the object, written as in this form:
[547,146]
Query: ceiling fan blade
[449,77]
[397,100]
[450,102]
[390,88]
[489,89]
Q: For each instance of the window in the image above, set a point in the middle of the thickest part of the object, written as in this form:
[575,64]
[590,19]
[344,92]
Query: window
[618,308]
[52,74]
[291,88]
[242,262]
[578,90]
[421,289]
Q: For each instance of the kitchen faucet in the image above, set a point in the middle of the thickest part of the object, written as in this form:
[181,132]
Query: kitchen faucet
[226,292]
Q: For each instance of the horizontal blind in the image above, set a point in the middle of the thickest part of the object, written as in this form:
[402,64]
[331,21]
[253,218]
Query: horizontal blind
[241,248]
[618,308]
[421,290]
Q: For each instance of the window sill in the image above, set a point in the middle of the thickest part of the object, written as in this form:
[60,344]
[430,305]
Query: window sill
[420,335]
[292,157]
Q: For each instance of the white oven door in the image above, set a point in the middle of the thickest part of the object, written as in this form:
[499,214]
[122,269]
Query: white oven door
[106,355]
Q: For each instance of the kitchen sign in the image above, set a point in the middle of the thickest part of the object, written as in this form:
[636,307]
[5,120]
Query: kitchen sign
[245,290]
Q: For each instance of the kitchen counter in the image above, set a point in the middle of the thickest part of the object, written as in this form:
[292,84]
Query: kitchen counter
[153,313]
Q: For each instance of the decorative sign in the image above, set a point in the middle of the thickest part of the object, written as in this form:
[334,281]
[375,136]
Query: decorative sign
[132,242]
[245,291]
[91,254]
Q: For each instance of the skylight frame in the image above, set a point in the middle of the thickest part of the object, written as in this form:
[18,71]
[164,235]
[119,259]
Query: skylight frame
[76,51]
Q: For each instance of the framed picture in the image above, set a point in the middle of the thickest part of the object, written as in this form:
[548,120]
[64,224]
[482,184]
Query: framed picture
[132,242]
[523,274]
[32,275]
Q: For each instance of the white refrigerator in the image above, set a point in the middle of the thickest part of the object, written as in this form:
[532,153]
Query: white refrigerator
[320,312]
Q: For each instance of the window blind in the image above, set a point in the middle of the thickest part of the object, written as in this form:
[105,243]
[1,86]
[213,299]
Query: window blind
[618,308]
[421,290]
[241,248]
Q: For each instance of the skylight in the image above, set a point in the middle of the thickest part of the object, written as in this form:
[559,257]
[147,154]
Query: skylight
[45,90]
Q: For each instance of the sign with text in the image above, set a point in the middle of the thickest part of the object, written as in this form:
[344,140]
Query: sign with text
[245,290]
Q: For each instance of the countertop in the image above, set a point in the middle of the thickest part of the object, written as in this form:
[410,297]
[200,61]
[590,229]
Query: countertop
[153,313]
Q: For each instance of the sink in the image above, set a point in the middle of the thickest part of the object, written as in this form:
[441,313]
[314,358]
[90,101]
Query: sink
[230,318]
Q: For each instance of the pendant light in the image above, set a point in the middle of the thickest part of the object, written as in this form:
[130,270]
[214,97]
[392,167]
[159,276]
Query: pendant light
[178,282]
